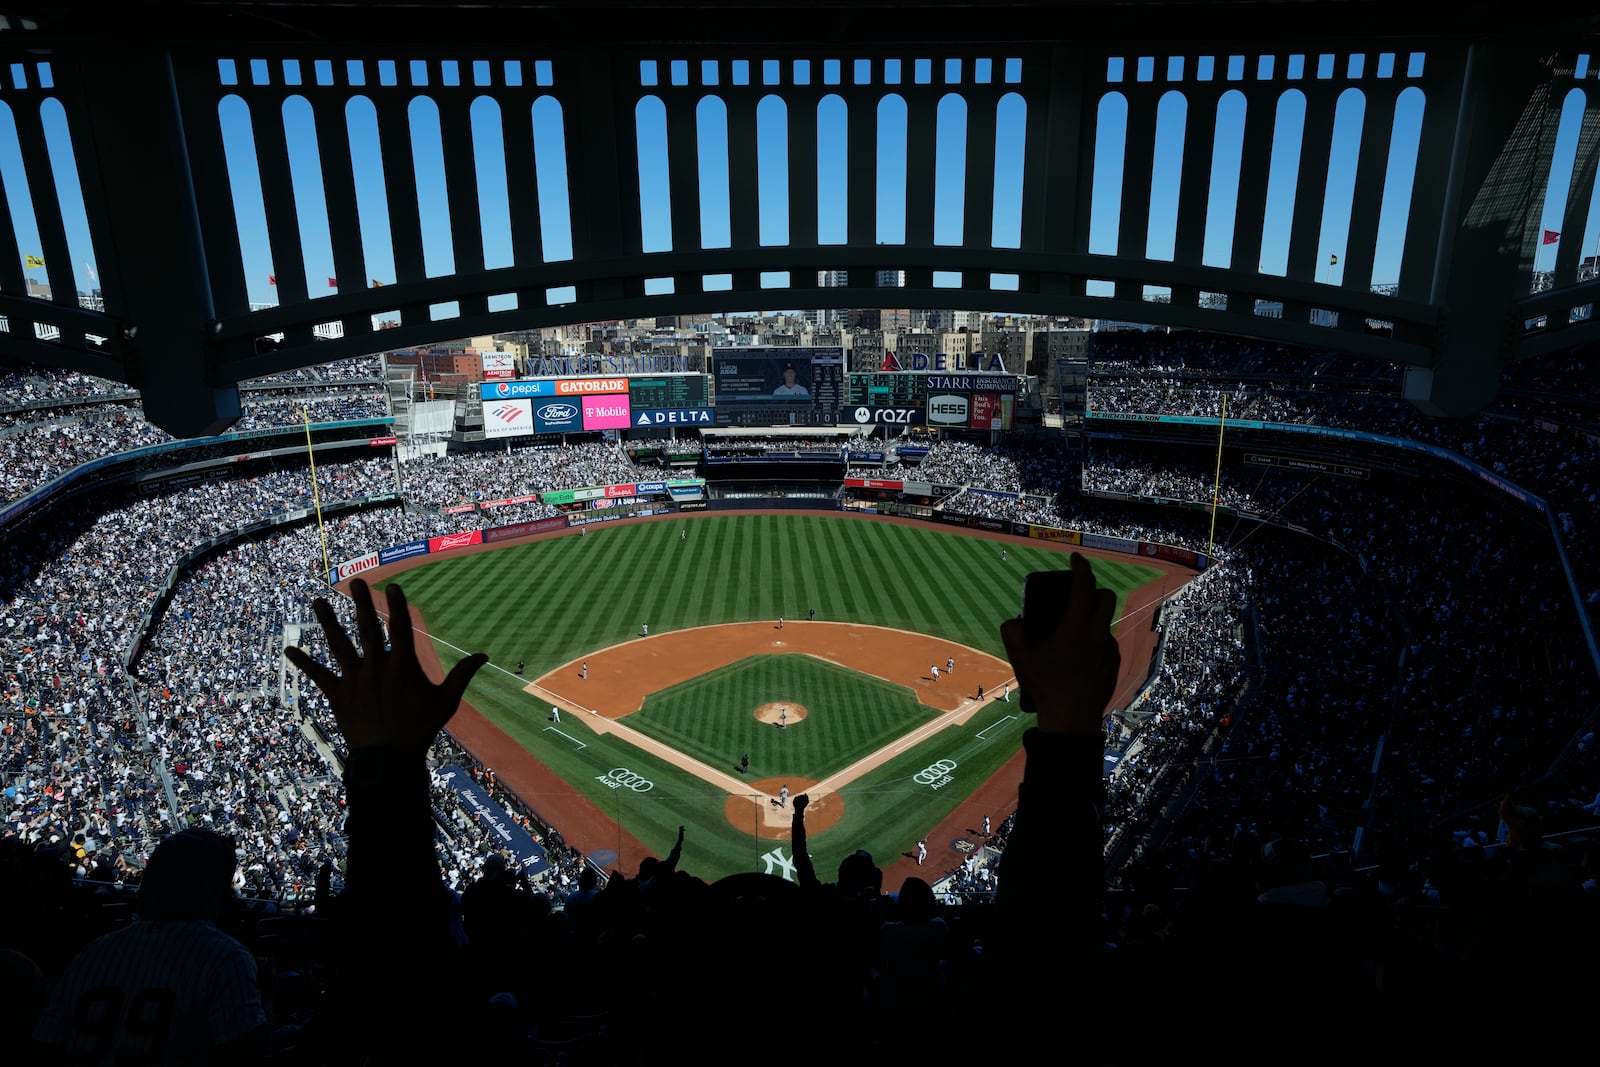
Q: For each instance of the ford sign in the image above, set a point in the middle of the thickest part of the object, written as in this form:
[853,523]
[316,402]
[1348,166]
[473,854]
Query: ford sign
[557,412]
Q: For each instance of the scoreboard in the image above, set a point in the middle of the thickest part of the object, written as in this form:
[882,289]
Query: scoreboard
[778,386]
[888,390]
[668,391]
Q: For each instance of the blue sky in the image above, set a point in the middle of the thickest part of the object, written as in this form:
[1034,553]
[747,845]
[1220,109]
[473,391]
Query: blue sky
[547,120]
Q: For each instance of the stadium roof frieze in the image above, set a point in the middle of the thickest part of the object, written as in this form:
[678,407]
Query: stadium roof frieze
[445,22]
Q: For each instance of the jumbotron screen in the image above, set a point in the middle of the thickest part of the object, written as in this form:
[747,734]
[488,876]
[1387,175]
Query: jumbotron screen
[777,386]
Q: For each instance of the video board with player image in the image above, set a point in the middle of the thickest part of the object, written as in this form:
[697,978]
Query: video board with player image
[777,386]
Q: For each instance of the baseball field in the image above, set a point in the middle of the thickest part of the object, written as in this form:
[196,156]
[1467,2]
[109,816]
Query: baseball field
[652,730]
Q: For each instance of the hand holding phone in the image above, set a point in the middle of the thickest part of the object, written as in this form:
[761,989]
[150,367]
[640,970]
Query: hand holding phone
[1062,650]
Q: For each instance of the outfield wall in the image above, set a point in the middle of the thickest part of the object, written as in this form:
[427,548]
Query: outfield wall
[377,557]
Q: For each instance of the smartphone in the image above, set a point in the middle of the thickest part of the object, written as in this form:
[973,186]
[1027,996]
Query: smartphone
[1044,601]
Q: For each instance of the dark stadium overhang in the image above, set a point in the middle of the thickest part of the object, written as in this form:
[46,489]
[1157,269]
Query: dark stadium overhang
[138,84]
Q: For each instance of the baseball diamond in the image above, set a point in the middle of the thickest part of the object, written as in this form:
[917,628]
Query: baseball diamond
[680,707]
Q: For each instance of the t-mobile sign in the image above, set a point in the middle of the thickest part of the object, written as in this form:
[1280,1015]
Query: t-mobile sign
[606,412]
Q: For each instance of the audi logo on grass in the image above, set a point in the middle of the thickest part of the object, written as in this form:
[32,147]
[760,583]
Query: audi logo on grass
[622,778]
[935,774]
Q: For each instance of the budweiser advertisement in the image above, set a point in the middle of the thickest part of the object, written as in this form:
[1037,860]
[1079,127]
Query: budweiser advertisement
[456,540]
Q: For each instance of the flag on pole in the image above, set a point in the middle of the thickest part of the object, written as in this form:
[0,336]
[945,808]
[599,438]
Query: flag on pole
[1333,259]
[376,284]
[34,261]
[333,283]
[1550,238]
[272,279]
[93,277]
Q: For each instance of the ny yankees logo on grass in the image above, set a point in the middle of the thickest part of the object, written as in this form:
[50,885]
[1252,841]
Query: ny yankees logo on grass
[784,865]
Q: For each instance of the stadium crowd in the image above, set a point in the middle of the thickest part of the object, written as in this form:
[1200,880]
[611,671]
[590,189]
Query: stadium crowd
[1394,673]
[493,474]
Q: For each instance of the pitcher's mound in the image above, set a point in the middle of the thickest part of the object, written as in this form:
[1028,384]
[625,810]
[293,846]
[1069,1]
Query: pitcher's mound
[772,714]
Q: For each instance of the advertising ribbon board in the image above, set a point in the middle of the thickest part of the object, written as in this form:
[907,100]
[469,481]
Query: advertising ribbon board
[523,529]
[405,551]
[352,567]
[1050,533]
[456,540]
[1187,557]
[507,834]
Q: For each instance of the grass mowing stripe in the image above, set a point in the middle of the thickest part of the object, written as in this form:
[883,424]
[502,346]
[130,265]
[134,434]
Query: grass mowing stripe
[874,597]
[839,599]
[581,593]
[814,589]
[724,536]
[690,569]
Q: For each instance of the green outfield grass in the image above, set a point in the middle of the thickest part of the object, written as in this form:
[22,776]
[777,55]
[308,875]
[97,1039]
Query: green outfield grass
[849,716]
[551,602]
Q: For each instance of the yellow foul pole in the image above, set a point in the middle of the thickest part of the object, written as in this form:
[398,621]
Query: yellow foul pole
[316,497]
[1216,482]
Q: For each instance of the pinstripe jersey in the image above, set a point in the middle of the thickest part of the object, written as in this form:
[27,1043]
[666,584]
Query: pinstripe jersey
[154,992]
